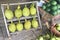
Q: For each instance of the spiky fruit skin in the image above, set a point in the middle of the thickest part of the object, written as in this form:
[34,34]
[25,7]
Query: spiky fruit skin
[8,14]
[33,10]
[34,23]
[12,27]
[27,25]
[18,13]
[26,11]
[19,27]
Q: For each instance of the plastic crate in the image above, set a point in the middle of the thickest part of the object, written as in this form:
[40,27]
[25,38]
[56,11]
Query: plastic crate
[13,7]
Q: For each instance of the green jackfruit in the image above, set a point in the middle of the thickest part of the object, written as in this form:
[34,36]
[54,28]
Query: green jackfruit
[19,26]
[12,27]
[33,10]
[8,13]
[26,11]
[27,24]
[18,12]
[34,23]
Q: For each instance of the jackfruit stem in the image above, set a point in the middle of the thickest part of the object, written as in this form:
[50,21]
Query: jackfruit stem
[18,7]
[25,20]
[34,18]
[32,5]
[25,6]
[11,21]
[7,6]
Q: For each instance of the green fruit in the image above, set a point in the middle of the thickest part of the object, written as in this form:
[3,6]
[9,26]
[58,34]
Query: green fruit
[19,26]
[27,24]
[58,11]
[18,12]
[48,9]
[34,23]
[33,10]
[48,4]
[54,13]
[54,8]
[58,6]
[8,13]
[12,27]
[41,38]
[53,38]
[44,6]
[53,3]
[58,27]
[26,11]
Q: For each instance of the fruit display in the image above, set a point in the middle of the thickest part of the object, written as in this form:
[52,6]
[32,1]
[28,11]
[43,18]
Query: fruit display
[52,7]
[24,16]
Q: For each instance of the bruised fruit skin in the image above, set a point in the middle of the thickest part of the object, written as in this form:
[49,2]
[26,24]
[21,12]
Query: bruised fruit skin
[26,11]
[18,12]
[8,13]
[27,24]
[33,10]
[12,27]
[34,23]
[19,26]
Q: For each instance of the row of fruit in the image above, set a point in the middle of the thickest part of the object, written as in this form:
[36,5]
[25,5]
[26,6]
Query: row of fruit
[48,37]
[52,7]
[19,13]
[26,25]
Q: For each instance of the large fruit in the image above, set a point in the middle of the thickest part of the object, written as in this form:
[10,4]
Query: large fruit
[58,27]
[41,38]
[27,24]
[33,10]
[8,13]
[12,27]
[26,11]
[19,26]
[58,38]
[18,12]
[53,3]
[34,23]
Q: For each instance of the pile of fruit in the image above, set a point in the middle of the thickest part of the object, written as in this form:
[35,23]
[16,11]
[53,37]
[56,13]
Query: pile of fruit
[18,13]
[48,37]
[52,7]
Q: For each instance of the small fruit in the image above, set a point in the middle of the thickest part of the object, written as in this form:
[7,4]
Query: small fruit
[54,8]
[27,24]
[26,11]
[53,38]
[8,13]
[58,27]
[12,27]
[53,3]
[19,26]
[18,12]
[44,6]
[33,10]
[41,38]
[58,6]
[34,23]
